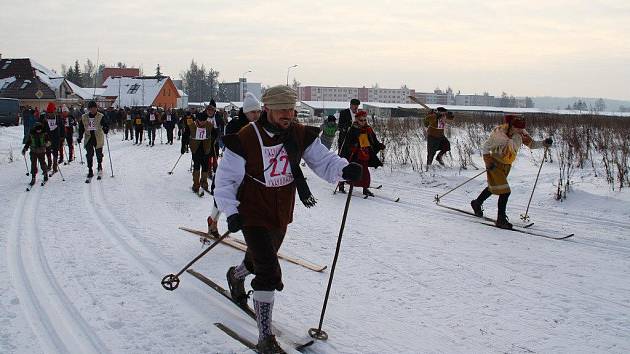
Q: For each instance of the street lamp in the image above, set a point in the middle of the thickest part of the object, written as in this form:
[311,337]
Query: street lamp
[289,69]
[244,90]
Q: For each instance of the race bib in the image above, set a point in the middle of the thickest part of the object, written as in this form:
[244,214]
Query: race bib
[152,117]
[200,134]
[128,116]
[189,121]
[91,124]
[52,124]
[138,121]
[277,167]
[168,118]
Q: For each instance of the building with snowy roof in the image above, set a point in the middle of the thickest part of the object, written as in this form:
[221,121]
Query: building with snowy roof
[141,91]
[35,85]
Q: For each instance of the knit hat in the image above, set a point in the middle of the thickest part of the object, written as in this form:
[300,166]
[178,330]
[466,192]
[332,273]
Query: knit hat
[355,102]
[280,97]
[515,120]
[92,104]
[361,113]
[213,103]
[51,108]
[250,103]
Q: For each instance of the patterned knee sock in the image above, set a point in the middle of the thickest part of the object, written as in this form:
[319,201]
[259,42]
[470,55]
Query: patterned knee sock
[241,271]
[263,305]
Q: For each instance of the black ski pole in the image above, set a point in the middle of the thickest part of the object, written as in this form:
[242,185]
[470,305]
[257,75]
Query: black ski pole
[111,166]
[180,156]
[525,217]
[26,164]
[438,197]
[171,281]
[318,333]
[191,165]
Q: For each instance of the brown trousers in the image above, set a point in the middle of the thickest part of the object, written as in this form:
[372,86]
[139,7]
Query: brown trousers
[41,157]
[261,257]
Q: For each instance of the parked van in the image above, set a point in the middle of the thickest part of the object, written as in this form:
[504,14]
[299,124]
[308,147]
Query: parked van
[9,111]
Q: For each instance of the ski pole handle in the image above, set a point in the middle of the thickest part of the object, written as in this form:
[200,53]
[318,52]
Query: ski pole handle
[171,281]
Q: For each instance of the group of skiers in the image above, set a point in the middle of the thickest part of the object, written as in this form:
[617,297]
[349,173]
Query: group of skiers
[255,182]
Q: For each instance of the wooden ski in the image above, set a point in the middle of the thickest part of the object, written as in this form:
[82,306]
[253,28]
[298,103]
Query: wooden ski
[242,246]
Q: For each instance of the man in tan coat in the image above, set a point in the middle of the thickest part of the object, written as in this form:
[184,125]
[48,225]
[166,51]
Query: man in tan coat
[93,127]
[199,136]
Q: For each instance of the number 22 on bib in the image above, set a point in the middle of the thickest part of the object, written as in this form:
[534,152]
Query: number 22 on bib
[277,167]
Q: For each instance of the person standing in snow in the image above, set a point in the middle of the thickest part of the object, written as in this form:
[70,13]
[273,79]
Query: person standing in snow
[329,129]
[198,136]
[53,125]
[67,133]
[499,152]
[169,121]
[436,121]
[138,125]
[128,124]
[152,123]
[250,112]
[362,147]
[93,127]
[346,117]
[255,185]
[37,140]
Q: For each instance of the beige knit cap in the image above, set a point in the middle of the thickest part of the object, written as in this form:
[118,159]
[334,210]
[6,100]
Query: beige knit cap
[280,97]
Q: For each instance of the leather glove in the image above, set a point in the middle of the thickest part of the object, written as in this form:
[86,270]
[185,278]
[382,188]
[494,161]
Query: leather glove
[183,150]
[382,146]
[105,130]
[548,142]
[23,151]
[491,166]
[235,223]
[352,172]
[79,141]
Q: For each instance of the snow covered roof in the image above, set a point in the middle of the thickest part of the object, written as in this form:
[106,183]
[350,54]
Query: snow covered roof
[6,81]
[487,109]
[327,104]
[182,93]
[134,91]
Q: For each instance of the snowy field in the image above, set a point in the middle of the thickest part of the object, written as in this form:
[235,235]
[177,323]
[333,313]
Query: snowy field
[82,264]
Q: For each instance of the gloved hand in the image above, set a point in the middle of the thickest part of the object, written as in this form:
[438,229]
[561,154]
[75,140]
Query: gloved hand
[548,142]
[105,130]
[491,166]
[382,146]
[235,223]
[23,151]
[79,140]
[183,149]
[352,172]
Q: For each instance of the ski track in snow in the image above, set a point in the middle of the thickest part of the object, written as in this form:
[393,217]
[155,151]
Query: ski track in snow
[57,323]
[85,263]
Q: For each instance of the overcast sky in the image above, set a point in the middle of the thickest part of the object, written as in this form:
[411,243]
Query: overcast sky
[534,48]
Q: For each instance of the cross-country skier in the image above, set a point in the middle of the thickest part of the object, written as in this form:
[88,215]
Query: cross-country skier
[169,120]
[53,125]
[198,135]
[346,117]
[138,125]
[128,124]
[329,129]
[67,132]
[153,121]
[93,127]
[255,185]
[361,146]
[37,140]
[436,121]
[499,152]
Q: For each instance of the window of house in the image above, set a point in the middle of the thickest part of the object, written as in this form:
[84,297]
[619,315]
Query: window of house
[133,89]
[5,85]
[24,84]
[6,64]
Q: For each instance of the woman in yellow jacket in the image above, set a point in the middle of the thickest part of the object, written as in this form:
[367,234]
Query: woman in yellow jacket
[499,152]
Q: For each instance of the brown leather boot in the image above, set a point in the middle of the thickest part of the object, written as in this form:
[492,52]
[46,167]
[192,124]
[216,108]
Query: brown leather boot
[204,181]
[195,186]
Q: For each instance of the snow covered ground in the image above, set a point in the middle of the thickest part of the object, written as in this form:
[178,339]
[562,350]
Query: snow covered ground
[82,264]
